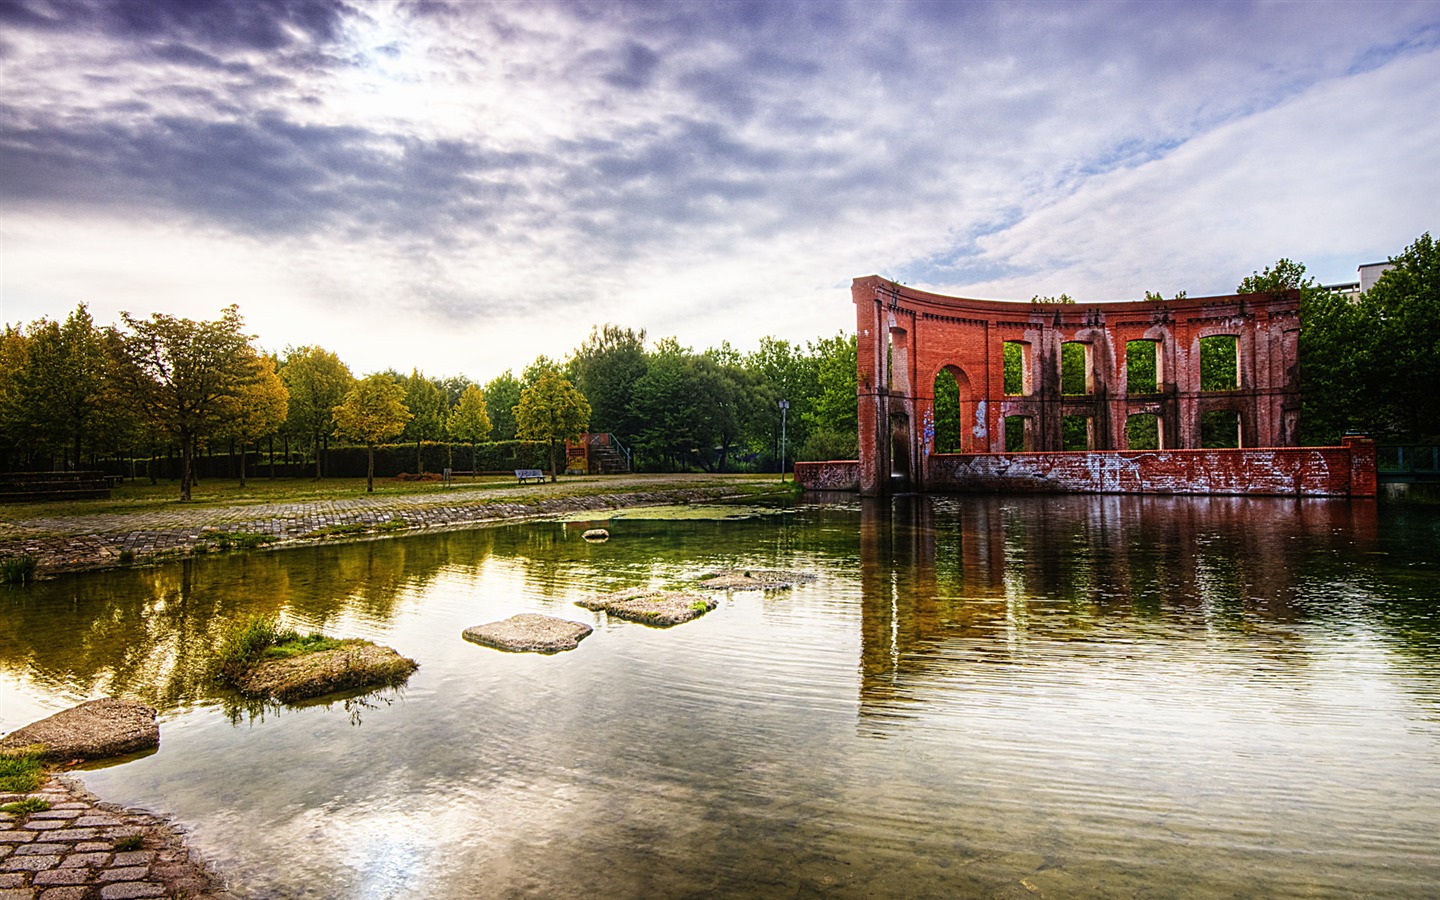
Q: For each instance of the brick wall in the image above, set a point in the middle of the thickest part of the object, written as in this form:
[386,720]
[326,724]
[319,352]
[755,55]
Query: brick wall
[1348,470]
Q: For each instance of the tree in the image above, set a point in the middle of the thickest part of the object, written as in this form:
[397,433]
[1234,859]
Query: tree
[59,385]
[793,375]
[372,411]
[605,369]
[258,408]
[725,399]
[553,410]
[663,401]
[183,375]
[469,421]
[317,381]
[426,402]
[502,395]
[1404,367]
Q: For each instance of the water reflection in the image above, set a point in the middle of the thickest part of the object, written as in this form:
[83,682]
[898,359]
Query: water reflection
[984,580]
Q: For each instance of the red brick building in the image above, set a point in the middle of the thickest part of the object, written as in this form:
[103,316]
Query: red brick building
[1093,402]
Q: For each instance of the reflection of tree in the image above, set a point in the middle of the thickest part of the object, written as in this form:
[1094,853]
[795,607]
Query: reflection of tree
[150,633]
[954,582]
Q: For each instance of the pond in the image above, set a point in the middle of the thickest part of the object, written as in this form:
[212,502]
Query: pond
[977,696]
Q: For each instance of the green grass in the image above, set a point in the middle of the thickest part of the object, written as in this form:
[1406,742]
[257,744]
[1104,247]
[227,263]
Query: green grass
[358,528]
[242,540]
[259,638]
[130,842]
[20,773]
[25,807]
[18,569]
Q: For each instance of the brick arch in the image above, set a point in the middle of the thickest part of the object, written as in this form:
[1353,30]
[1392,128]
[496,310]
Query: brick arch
[915,332]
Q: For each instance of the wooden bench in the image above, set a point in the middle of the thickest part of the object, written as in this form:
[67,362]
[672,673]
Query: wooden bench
[524,475]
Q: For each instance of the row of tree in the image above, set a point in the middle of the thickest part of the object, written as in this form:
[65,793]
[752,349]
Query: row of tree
[72,391]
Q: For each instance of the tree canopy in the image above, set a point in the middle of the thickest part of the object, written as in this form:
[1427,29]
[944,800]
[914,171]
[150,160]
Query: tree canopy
[552,410]
[372,411]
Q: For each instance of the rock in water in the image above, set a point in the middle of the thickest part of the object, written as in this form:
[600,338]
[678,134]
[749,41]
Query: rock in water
[98,729]
[658,608]
[596,535]
[530,633]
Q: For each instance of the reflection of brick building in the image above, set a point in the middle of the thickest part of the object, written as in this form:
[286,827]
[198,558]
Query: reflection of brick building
[908,337]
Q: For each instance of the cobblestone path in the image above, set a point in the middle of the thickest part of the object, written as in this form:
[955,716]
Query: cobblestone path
[77,542]
[83,849]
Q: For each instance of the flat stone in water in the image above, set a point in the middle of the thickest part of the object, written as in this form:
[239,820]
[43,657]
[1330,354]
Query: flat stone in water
[753,579]
[659,608]
[529,633]
[98,729]
[355,664]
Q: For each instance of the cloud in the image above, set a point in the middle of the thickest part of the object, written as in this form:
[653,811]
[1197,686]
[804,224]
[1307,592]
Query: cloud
[718,171]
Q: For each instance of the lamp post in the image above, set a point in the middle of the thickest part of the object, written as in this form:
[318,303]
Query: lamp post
[784,411]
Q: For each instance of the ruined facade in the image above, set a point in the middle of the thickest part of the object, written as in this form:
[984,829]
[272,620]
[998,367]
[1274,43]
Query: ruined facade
[907,337]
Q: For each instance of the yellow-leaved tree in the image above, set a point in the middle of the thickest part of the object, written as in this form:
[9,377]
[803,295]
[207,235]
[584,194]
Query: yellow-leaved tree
[469,420]
[552,409]
[373,411]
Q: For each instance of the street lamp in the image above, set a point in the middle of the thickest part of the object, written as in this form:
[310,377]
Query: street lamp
[784,411]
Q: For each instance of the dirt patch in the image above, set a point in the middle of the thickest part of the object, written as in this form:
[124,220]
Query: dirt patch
[658,608]
[753,579]
[354,664]
[98,729]
[529,633]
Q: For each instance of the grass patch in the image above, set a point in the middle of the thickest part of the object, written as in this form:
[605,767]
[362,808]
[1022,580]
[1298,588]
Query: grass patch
[18,569]
[20,773]
[25,807]
[261,660]
[242,540]
[326,531]
[130,842]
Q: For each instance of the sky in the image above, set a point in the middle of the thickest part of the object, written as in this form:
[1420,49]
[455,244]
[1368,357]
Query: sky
[460,187]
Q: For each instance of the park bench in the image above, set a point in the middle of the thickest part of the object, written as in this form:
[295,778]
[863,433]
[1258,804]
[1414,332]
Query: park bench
[23,487]
[524,475]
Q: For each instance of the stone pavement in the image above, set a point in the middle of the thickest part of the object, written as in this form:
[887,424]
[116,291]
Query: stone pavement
[83,849]
[78,542]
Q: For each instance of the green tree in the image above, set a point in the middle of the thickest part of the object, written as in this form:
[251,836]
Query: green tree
[605,368]
[183,375]
[372,411]
[60,386]
[257,409]
[317,382]
[724,400]
[502,395]
[553,410]
[835,409]
[426,402]
[663,401]
[1404,366]
[469,421]
[792,374]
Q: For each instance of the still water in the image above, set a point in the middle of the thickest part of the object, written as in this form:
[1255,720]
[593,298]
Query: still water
[978,697]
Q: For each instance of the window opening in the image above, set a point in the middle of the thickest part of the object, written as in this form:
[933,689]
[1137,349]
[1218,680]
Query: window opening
[947,413]
[1219,429]
[1018,437]
[1142,431]
[1075,433]
[1142,368]
[1017,381]
[1075,372]
[1219,363]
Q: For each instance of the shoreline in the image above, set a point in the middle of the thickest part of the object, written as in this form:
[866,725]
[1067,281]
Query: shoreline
[68,544]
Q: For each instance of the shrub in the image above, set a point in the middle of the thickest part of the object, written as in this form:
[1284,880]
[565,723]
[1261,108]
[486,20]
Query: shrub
[20,773]
[18,569]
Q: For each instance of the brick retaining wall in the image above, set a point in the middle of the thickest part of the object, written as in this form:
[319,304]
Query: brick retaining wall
[1344,471]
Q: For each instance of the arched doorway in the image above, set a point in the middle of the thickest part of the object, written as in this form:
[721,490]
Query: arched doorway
[954,413]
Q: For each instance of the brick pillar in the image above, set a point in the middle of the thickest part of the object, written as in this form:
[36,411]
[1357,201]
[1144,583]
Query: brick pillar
[1363,482]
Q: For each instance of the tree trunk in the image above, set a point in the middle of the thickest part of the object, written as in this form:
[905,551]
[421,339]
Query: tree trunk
[472,460]
[272,457]
[419,463]
[370,468]
[317,454]
[552,460]
[243,445]
[187,454]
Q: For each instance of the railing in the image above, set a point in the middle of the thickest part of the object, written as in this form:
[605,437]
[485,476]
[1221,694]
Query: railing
[1405,462]
[607,439]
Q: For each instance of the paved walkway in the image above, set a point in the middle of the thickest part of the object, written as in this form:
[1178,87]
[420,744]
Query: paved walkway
[76,542]
[83,849]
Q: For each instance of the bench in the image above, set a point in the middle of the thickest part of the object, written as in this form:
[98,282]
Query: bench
[524,475]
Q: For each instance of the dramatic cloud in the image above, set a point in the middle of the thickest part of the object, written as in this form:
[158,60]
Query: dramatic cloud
[461,186]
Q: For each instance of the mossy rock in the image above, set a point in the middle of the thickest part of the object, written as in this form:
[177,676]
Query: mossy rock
[658,608]
[753,579]
[99,729]
[353,665]
[529,633]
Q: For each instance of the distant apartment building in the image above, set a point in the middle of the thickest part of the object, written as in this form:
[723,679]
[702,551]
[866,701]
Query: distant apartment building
[1368,275]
